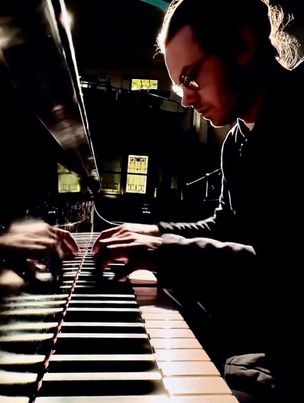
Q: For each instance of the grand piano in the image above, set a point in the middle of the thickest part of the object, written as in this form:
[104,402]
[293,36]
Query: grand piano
[85,336]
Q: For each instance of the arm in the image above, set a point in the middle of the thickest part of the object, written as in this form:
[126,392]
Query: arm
[212,227]
[173,256]
[222,225]
[204,259]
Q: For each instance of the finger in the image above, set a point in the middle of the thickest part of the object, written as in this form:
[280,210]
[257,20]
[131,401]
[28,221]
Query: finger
[29,242]
[34,246]
[46,240]
[68,242]
[71,244]
[42,236]
[102,258]
[33,229]
[117,240]
[102,245]
[60,233]
[121,250]
[68,248]
[98,242]
[108,233]
[123,233]
[95,248]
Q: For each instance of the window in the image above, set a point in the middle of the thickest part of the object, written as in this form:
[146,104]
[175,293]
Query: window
[111,177]
[143,84]
[137,174]
[68,182]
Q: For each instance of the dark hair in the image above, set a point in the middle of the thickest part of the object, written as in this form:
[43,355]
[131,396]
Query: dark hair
[216,25]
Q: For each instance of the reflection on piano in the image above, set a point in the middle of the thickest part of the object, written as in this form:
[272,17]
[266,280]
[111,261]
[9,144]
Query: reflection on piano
[36,48]
[93,341]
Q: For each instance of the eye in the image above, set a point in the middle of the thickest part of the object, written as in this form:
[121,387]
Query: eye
[185,79]
[189,80]
[191,83]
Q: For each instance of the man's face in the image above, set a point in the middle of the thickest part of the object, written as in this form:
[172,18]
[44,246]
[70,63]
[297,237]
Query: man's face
[207,85]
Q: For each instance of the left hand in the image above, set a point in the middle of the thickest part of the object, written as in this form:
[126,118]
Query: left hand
[36,235]
[28,236]
[66,243]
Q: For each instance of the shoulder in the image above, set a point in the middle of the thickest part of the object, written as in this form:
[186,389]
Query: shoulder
[294,79]
[299,68]
[282,96]
[298,76]
[231,137]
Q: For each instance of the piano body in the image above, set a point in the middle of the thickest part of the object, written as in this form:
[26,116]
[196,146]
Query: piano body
[88,338]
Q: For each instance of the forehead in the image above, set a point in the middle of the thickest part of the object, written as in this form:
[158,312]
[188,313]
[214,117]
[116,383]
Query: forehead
[183,50]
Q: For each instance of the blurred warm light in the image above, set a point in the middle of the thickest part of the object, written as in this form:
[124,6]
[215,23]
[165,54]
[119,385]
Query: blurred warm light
[5,37]
[10,280]
[177,90]
[67,19]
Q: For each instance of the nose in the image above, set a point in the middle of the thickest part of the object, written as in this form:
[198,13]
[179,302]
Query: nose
[189,97]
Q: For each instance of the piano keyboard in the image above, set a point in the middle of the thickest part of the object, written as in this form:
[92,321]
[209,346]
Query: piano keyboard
[93,341]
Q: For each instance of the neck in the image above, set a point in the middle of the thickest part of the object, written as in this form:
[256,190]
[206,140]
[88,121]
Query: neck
[251,114]
[257,88]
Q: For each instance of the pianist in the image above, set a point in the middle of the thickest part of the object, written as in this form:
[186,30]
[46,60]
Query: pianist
[232,62]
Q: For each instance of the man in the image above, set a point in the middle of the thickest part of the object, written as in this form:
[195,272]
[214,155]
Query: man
[232,63]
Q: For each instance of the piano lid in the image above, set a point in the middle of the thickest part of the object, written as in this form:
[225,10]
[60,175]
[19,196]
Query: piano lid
[36,47]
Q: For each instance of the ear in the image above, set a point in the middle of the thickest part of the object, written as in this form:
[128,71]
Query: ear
[248,46]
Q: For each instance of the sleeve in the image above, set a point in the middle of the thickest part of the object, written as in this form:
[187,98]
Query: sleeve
[205,264]
[215,226]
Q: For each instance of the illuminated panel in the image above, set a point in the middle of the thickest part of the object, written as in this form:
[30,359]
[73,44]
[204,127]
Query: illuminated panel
[137,174]
[143,84]
[68,182]
[138,164]
[136,183]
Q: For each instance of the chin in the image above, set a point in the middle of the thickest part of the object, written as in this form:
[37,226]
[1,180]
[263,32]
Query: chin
[219,121]
[215,123]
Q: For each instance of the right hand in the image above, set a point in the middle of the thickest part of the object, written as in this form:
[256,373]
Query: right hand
[131,248]
[125,230]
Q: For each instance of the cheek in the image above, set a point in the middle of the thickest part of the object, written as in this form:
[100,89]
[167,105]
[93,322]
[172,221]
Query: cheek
[219,104]
[220,92]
